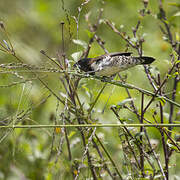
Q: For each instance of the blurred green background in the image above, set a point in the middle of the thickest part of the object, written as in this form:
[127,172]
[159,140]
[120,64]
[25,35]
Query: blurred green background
[34,25]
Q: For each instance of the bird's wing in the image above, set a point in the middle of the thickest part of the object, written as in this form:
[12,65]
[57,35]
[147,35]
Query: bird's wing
[111,55]
[120,54]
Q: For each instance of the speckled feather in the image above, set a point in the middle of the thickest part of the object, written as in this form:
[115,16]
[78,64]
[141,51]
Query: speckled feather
[112,63]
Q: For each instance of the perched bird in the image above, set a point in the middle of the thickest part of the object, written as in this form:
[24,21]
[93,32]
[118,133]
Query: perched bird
[111,63]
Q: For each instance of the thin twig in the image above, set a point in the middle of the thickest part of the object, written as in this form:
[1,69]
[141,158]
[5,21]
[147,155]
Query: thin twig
[90,125]
[141,137]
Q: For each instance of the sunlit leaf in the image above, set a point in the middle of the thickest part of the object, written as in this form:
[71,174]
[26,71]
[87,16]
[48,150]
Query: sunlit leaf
[121,26]
[175,55]
[172,146]
[161,100]
[87,91]
[124,102]
[139,134]
[63,95]
[177,14]
[134,39]
[157,176]
[76,56]
[71,134]
[49,176]
[80,42]
[90,34]
[177,36]
[165,38]
[174,4]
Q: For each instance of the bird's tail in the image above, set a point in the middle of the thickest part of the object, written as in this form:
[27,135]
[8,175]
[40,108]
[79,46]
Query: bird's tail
[146,59]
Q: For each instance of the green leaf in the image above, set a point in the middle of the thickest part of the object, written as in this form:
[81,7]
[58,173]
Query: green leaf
[90,34]
[139,134]
[80,42]
[120,104]
[76,56]
[125,101]
[166,21]
[87,91]
[49,176]
[174,4]
[177,36]
[173,75]
[162,101]
[175,55]
[169,143]
[177,14]
[157,176]
[134,39]
[72,133]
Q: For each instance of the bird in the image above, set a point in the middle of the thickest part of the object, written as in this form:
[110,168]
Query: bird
[109,64]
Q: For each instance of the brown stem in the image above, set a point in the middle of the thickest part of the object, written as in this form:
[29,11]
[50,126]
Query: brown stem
[176,80]
[141,137]
[165,150]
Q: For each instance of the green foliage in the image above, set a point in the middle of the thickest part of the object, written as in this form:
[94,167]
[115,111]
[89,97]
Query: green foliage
[44,88]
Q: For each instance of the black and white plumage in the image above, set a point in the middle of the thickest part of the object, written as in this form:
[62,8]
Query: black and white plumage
[111,63]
